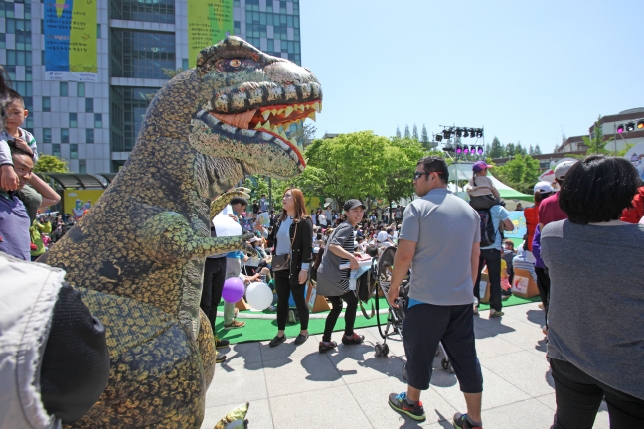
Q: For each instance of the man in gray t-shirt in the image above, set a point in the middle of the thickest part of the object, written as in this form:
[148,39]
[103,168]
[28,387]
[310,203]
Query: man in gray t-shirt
[440,242]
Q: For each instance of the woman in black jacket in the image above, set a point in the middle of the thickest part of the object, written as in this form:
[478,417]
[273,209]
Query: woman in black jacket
[293,249]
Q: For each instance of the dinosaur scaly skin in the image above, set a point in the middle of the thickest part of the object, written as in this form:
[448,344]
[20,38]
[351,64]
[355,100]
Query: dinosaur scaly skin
[138,256]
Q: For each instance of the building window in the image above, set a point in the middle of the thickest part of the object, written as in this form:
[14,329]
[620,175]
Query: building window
[89,105]
[55,150]
[64,89]
[128,107]
[82,166]
[3,41]
[138,54]
[81,89]
[73,120]
[149,11]
[73,151]
[46,135]
[185,64]
[98,31]
[89,135]
[64,135]
[98,120]
[46,104]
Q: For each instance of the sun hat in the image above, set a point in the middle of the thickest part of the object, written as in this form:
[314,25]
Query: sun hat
[480,166]
[353,204]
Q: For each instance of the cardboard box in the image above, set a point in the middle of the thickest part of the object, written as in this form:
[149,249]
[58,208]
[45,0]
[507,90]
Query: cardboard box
[523,285]
[315,302]
[484,287]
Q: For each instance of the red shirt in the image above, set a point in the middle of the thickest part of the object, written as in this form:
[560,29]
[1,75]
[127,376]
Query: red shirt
[549,210]
[633,215]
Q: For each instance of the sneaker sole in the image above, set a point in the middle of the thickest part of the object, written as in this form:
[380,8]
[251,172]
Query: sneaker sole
[223,347]
[407,413]
[228,328]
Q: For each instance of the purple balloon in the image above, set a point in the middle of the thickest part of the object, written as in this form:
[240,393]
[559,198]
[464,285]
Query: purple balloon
[233,290]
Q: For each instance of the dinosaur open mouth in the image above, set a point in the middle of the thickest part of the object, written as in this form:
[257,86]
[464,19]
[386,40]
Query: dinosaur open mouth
[274,120]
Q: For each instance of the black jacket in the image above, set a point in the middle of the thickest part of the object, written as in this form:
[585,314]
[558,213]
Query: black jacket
[302,247]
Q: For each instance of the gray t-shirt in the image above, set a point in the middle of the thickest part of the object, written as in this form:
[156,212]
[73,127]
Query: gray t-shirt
[283,237]
[444,228]
[596,313]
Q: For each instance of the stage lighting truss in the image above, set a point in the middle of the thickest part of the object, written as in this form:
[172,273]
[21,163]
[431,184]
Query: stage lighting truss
[640,124]
[438,137]
[630,126]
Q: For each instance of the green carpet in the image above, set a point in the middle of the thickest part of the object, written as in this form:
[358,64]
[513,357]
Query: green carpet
[266,329]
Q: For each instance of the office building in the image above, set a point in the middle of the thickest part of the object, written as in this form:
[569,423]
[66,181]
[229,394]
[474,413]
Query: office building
[93,124]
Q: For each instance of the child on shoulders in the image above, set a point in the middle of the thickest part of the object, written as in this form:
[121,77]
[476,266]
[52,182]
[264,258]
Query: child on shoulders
[481,190]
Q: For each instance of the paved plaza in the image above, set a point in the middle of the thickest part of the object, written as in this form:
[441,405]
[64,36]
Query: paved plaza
[296,387]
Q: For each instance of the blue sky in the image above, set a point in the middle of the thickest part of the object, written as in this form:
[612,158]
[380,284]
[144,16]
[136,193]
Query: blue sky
[522,69]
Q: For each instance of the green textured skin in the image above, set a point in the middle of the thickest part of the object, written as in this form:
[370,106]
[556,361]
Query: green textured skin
[138,255]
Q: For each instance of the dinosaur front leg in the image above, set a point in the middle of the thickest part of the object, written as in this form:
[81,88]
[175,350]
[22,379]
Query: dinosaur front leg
[170,237]
[224,199]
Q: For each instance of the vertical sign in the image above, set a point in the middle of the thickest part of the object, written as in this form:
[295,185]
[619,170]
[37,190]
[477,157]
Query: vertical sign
[70,40]
[208,23]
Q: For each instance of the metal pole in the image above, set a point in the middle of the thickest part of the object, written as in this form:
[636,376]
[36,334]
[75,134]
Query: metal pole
[270,194]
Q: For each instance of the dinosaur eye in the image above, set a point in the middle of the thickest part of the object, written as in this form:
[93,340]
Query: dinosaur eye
[235,63]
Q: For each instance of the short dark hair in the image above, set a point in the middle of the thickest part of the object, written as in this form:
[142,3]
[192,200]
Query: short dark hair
[15,95]
[239,200]
[15,150]
[598,188]
[435,164]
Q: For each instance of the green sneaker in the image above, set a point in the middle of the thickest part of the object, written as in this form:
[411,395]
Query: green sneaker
[398,401]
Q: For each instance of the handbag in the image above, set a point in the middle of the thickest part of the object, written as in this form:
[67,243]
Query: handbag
[283,262]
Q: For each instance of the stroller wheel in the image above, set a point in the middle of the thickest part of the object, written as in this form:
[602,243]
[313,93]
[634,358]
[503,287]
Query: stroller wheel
[445,363]
[404,374]
[378,350]
[385,349]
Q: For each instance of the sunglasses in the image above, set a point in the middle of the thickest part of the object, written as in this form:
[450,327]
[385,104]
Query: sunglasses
[418,175]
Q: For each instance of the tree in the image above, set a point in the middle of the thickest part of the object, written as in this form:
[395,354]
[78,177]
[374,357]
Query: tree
[398,185]
[596,143]
[406,135]
[487,149]
[424,138]
[531,150]
[510,150]
[50,164]
[537,150]
[398,132]
[414,132]
[520,173]
[520,150]
[496,149]
[257,185]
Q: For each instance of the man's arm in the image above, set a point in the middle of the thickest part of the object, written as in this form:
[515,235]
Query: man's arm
[402,262]
[508,225]
[474,261]
[49,196]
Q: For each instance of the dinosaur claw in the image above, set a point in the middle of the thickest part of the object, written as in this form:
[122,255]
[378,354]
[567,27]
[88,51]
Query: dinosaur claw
[245,195]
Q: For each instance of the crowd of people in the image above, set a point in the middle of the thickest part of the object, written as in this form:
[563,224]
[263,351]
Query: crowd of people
[584,247]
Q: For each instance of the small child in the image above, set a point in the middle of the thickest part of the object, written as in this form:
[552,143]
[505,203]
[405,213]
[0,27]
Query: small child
[15,114]
[483,194]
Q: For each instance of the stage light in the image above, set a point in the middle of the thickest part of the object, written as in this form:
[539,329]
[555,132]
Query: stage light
[458,132]
[479,132]
[472,133]
[630,126]
[640,125]
[447,134]
[480,150]
[459,149]
[466,149]
[438,137]
[448,148]
[620,128]
[473,149]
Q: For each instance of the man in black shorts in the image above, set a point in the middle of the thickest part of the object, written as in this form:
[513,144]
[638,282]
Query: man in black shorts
[438,231]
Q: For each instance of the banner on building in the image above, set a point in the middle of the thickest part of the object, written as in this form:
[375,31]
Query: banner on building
[636,156]
[77,202]
[70,40]
[208,23]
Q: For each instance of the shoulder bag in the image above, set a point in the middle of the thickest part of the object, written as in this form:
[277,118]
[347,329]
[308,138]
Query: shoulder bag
[283,262]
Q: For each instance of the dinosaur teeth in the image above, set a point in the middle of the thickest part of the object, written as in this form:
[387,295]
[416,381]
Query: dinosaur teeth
[274,112]
[267,125]
[320,111]
[316,106]
[312,115]
[266,114]
[288,110]
[280,111]
[258,126]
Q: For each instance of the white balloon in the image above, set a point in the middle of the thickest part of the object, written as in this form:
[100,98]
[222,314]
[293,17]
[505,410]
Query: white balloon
[259,295]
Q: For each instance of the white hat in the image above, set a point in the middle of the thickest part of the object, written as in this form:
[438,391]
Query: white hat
[543,188]
[383,236]
[562,168]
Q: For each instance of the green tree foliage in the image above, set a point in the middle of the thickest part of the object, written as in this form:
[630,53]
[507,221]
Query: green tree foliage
[596,143]
[496,149]
[414,132]
[520,150]
[537,150]
[257,185]
[398,132]
[510,150]
[50,164]
[406,135]
[304,134]
[520,173]
[424,138]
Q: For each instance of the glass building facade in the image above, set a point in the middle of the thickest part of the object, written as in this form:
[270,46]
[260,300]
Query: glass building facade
[93,125]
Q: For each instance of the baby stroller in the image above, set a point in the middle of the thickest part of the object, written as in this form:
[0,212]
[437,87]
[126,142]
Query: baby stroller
[383,274]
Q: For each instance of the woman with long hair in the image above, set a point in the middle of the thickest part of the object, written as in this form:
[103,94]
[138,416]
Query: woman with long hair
[597,296]
[293,244]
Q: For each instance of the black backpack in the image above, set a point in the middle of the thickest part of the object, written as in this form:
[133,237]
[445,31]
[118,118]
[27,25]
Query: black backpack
[488,232]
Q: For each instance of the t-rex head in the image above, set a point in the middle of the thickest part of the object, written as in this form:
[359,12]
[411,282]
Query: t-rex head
[248,99]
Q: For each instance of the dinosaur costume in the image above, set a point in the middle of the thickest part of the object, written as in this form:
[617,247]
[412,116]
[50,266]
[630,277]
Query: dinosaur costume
[138,256]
